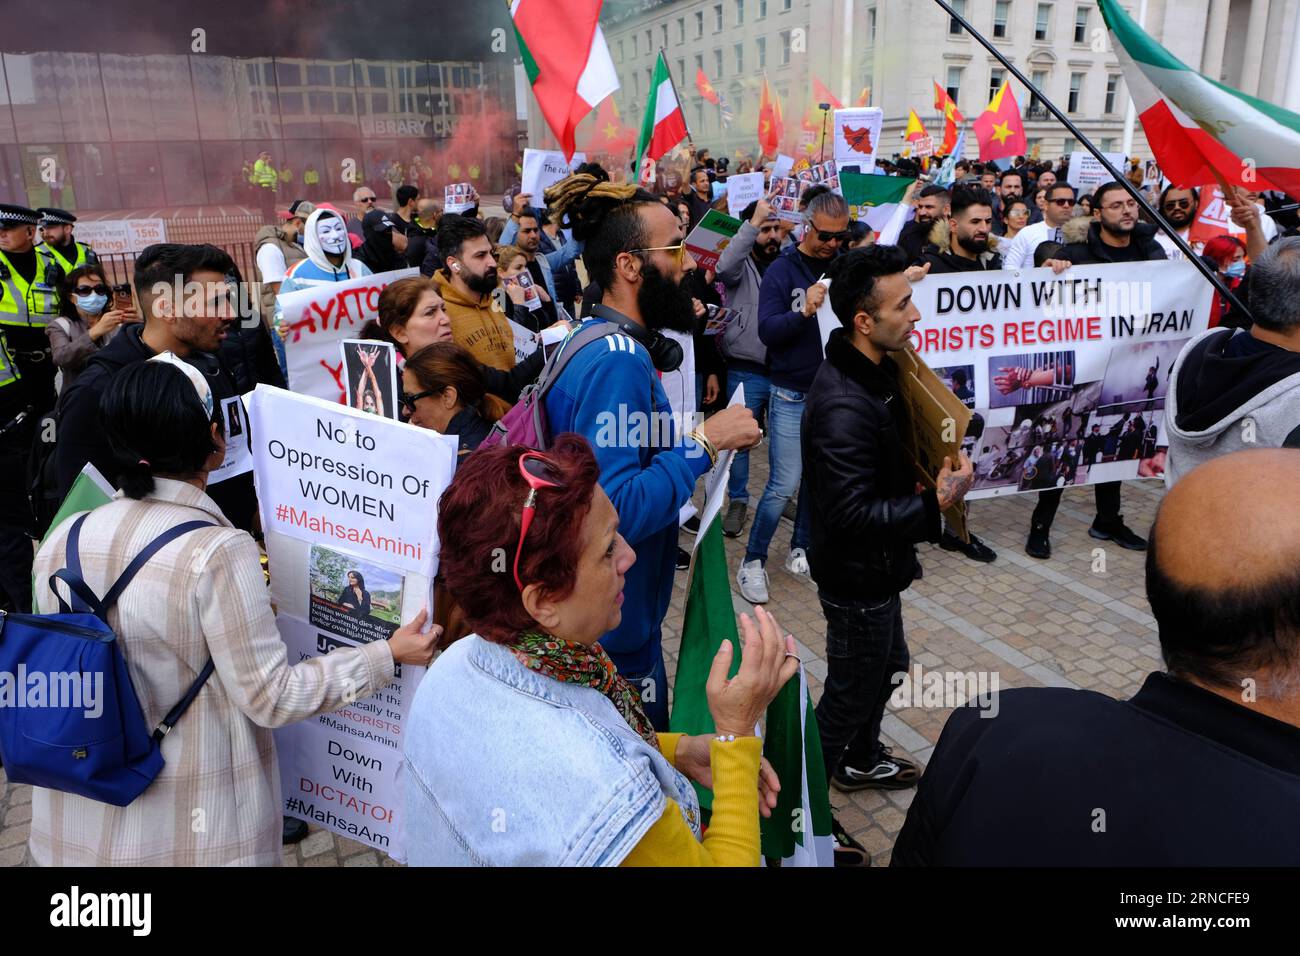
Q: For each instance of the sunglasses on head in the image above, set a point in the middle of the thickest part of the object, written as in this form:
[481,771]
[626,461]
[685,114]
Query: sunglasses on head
[539,472]
[100,289]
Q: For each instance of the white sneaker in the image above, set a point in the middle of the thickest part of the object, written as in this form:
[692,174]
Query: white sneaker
[752,578]
[797,562]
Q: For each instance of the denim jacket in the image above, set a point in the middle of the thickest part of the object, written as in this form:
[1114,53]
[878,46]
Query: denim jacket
[508,767]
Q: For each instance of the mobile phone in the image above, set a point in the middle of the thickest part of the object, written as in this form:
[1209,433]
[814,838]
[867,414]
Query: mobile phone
[122,296]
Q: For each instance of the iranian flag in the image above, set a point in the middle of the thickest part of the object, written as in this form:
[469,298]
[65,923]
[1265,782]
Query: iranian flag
[566,59]
[799,831]
[664,124]
[872,199]
[1200,130]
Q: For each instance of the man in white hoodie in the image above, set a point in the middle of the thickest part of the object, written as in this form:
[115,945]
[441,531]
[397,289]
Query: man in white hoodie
[1233,388]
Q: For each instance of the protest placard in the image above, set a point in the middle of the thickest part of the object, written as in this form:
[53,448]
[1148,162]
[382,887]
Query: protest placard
[743,189]
[115,236]
[1086,173]
[370,375]
[782,166]
[718,319]
[939,421]
[922,146]
[525,341]
[710,237]
[857,134]
[239,456]
[349,505]
[1067,375]
[317,319]
[458,197]
[784,194]
[715,481]
[544,168]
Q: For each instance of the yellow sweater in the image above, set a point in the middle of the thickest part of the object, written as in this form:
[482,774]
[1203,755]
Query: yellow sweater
[732,836]
[477,326]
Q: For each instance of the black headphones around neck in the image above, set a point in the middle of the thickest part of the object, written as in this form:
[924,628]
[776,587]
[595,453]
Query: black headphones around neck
[665,353]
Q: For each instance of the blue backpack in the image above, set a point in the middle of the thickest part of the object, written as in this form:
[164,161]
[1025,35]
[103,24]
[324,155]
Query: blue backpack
[109,755]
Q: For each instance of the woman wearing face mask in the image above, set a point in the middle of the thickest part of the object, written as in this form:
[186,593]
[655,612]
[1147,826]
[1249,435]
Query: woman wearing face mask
[412,315]
[1228,256]
[85,324]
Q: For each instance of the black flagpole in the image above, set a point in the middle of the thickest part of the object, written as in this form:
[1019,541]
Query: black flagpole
[1133,191]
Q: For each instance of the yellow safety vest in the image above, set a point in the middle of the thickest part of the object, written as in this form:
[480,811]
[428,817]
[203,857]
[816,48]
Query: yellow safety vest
[29,304]
[264,175]
[8,370]
[84,255]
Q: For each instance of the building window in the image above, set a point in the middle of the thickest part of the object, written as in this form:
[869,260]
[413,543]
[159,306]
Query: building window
[1042,20]
[681,72]
[681,29]
[663,32]
[1036,108]
[717,18]
[785,47]
[762,9]
[954,82]
[636,84]
[762,52]
[740,57]
[1108,144]
[871,26]
[620,51]
[634,46]
[740,13]
[1076,88]
[1001,13]
[699,62]
[717,64]
[996,79]
[1080,25]
[959,7]
[785,5]
[649,44]
[1112,91]
[1070,145]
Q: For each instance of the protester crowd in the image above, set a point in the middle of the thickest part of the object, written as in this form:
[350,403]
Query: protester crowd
[551,691]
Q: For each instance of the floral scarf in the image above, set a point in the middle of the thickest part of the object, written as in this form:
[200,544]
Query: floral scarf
[586,666]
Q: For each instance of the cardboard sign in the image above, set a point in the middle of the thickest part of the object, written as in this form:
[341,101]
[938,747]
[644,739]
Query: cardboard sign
[543,169]
[743,189]
[939,423]
[710,237]
[317,319]
[857,135]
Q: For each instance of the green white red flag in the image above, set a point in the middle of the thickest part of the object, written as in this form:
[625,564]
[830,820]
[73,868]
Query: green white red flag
[1198,127]
[566,59]
[664,124]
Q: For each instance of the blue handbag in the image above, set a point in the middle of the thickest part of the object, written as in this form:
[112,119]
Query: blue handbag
[70,719]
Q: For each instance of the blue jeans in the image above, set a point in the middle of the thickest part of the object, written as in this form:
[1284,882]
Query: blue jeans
[784,415]
[757,385]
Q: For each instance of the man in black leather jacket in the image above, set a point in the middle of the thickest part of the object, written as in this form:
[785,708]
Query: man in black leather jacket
[866,512]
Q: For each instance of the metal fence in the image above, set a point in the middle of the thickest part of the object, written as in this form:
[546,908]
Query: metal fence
[120,266]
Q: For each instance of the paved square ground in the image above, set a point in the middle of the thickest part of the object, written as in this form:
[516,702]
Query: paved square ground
[1078,620]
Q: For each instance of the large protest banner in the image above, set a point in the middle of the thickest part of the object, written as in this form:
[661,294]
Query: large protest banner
[316,320]
[349,506]
[1067,375]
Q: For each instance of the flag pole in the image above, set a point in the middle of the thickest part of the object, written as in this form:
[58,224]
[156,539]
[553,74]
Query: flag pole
[1132,190]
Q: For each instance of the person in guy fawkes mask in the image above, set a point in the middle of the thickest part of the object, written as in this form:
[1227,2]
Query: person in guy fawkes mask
[635,253]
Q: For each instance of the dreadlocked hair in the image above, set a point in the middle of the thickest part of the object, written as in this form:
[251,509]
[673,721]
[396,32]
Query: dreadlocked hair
[604,216]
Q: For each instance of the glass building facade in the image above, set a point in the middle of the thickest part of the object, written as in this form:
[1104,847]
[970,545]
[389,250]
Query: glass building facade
[107,131]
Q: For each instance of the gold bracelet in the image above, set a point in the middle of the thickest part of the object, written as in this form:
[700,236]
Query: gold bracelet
[697,436]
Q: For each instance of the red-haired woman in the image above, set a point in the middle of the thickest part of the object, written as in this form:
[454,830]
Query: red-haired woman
[524,746]
[1228,254]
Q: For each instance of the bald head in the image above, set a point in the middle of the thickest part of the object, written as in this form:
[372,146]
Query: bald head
[1223,570]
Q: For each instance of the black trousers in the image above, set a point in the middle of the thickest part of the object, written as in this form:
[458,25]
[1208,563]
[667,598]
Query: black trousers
[1107,493]
[865,648]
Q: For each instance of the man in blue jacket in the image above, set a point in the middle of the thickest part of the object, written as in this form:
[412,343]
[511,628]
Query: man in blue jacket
[610,394]
[787,323]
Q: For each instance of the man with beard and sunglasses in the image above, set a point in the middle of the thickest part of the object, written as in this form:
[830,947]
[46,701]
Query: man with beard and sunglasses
[1178,206]
[789,297]
[610,393]
[740,270]
[466,283]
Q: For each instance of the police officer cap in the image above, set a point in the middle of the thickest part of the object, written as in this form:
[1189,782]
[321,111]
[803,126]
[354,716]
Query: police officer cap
[55,217]
[12,215]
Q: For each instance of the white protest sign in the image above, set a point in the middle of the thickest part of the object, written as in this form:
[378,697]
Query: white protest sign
[781,168]
[543,169]
[1086,173]
[922,146]
[525,341]
[1067,374]
[317,319]
[458,197]
[857,133]
[115,236]
[239,457]
[327,473]
[826,320]
[743,189]
[715,482]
